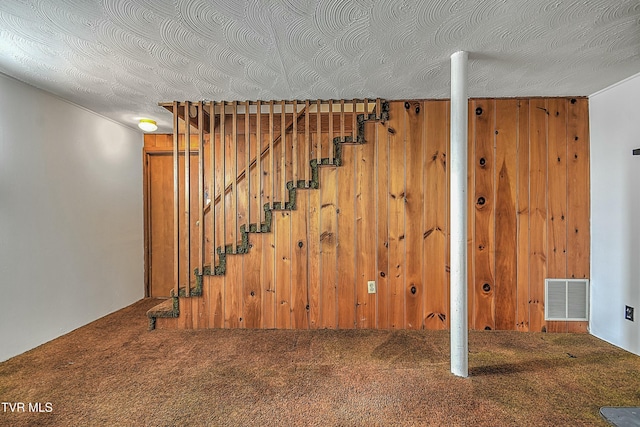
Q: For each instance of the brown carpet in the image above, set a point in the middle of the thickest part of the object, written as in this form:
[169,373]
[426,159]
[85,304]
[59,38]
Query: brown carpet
[114,372]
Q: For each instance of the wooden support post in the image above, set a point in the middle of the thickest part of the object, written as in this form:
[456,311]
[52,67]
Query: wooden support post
[378,109]
[187,194]
[283,158]
[223,201]
[331,131]
[247,169]
[259,162]
[212,185]
[294,151]
[176,200]
[307,141]
[272,171]
[354,122]
[201,186]
[342,119]
[234,168]
[318,132]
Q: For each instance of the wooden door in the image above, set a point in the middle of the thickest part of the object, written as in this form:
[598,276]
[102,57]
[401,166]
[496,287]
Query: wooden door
[160,205]
[160,220]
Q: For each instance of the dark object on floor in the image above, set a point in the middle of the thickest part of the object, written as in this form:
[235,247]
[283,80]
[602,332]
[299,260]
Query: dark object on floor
[621,417]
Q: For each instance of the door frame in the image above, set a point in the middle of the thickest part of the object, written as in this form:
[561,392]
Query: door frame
[147,152]
[155,145]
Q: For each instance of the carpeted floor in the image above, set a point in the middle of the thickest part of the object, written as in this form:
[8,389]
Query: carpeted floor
[114,372]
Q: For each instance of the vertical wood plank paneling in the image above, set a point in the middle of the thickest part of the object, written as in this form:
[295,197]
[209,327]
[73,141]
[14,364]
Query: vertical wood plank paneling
[578,185]
[233,292]
[557,196]
[268,277]
[533,222]
[314,253]
[538,211]
[252,283]
[397,122]
[346,244]
[484,215]
[216,300]
[471,215]
[506,221]
[328,249]
[365,228]
[382,223]
[414,204]
[522,231]
[283,269]
[299,262]
[199,310]
[435,234]
[184,320]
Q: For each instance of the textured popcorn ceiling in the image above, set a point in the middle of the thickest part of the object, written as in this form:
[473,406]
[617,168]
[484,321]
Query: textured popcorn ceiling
[121,57]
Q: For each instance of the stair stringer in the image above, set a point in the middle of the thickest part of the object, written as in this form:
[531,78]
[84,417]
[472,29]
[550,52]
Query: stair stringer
[265,227]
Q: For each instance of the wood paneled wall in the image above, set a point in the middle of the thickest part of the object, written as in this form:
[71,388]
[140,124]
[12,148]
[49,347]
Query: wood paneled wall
[383,216]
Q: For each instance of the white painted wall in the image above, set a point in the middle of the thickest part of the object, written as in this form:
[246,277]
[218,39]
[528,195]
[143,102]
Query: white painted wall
[71,231]
[615,213]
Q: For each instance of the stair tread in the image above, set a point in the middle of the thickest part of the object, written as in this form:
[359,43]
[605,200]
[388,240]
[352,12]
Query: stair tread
[164,309]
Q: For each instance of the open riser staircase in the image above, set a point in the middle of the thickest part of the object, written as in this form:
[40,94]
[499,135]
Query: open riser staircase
[247,161]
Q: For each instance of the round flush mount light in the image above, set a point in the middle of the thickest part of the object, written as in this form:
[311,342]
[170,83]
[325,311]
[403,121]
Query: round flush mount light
[147,125]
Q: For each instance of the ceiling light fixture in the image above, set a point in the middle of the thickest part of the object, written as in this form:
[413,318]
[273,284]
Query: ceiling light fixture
[148,125]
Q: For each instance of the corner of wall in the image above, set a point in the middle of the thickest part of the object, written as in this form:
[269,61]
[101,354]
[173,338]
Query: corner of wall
[615,208]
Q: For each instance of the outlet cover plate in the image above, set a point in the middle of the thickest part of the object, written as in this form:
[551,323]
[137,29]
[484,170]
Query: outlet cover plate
[628,313]
[371,286]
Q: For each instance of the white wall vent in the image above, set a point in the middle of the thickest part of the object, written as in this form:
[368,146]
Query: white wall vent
[566,299]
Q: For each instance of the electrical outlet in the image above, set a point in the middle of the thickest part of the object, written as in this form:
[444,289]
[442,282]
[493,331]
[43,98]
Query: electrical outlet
[628,313]
[371,286]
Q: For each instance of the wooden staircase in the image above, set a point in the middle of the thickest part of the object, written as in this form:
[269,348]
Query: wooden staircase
[208,120]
